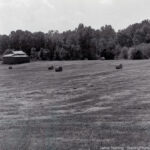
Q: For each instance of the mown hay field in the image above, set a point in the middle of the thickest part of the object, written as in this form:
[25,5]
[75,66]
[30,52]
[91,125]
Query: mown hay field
[87,106]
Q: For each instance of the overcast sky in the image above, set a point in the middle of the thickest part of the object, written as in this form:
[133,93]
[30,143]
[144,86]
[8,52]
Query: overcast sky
[44,15]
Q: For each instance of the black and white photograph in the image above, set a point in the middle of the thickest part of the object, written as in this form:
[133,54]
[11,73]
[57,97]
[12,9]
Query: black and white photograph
[74,74]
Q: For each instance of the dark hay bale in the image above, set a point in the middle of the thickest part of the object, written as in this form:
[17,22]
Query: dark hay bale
[119,66]
[10,67]
[51,68]
[58,69]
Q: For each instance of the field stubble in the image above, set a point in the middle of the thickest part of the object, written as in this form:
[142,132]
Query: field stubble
[87,106]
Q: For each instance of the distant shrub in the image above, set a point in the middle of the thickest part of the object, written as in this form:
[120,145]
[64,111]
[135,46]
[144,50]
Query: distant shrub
[135,53]
[34,54]
[118,52]
[1,57]
[44,54]
[108,54]
[124,53]
[145,49]
[141,51]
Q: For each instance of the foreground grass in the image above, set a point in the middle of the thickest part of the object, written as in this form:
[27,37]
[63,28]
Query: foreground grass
[87,106]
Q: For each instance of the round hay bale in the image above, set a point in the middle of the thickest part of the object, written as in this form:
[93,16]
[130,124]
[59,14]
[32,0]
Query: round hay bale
[119,67]
[10,67]
[51,68]
[59,69]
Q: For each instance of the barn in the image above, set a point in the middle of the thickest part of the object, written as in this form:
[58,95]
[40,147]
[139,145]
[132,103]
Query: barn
[15,57]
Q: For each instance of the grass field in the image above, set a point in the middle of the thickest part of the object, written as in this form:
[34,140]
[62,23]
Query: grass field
[87,106]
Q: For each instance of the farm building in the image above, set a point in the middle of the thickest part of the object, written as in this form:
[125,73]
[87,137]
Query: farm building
[15,57]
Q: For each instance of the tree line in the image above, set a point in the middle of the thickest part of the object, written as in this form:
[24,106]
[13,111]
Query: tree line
[84,42]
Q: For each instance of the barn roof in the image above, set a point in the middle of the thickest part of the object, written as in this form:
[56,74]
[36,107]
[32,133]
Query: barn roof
[19,53]
[16,54]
